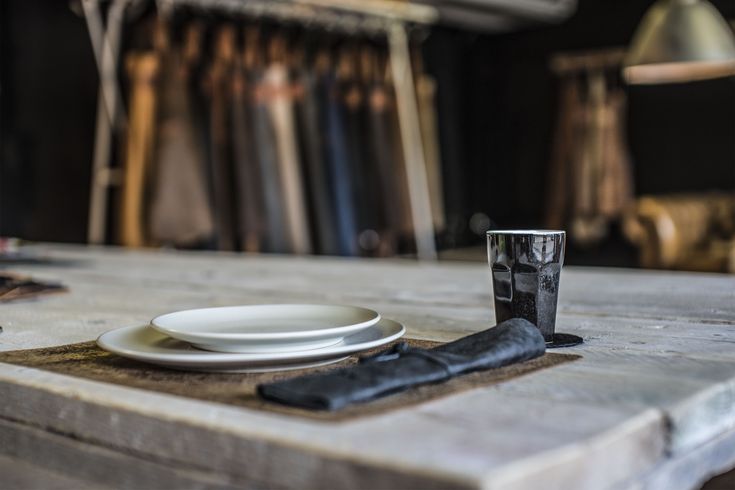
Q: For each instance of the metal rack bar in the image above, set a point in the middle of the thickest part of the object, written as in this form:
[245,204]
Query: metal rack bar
[413,148]
[356,15]
[110,109]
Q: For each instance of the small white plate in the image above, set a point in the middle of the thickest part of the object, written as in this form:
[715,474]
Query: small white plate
[265,328]
[142,343]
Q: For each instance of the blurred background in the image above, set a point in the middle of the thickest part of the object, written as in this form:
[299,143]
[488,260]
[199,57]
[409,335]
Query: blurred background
[372,128]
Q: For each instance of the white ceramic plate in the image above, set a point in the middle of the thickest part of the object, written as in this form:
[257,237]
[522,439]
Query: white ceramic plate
[265,328]
[142,343]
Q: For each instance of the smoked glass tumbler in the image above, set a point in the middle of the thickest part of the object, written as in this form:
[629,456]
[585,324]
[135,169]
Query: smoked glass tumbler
[525,266]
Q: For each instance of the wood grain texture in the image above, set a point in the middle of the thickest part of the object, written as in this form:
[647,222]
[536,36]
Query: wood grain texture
[19,474]
[656,383]
[693,468]
[73,462]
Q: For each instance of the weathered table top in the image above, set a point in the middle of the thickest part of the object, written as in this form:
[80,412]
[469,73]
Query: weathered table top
[651,404]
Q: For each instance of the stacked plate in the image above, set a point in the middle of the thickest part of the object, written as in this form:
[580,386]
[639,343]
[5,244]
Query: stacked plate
[255,338]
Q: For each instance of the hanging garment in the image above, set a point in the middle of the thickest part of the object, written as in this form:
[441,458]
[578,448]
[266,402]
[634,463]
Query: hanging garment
[247,172]
[374,238]
[275,234]
[338,164]
[353,107]
[142,70]
[616,192]
[322,216]
[199,102]
[381,143]
[426,97]
[559,190]
[180,213]
[605,185]
[218,88]
[280,106]
[590,179]
[588,226]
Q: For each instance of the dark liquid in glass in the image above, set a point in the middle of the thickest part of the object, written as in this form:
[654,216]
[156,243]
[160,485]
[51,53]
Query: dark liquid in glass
[527,294]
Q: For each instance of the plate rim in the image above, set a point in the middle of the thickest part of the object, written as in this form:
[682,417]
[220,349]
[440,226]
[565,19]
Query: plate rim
[227,358]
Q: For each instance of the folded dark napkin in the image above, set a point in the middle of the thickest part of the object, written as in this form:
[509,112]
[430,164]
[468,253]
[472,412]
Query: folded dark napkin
[402,367]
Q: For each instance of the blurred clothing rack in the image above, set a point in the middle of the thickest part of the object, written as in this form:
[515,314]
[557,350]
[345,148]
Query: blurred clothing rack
[389,18]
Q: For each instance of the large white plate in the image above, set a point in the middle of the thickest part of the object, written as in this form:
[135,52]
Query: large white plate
[265,328]
[142,343]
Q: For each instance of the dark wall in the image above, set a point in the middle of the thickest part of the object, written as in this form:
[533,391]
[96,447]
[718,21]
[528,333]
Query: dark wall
[683,136]
[48,90]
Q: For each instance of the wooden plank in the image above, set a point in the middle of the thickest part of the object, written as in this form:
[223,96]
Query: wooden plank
[18,474]
[243,446]
[66,463]
[461,441]
[696,409]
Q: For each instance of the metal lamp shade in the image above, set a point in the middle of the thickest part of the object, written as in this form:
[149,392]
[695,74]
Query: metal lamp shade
[680,41]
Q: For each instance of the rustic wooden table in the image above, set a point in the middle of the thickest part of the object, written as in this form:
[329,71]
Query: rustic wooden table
[651,404]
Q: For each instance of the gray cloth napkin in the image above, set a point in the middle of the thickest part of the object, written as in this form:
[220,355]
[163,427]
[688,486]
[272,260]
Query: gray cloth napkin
[402,367]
